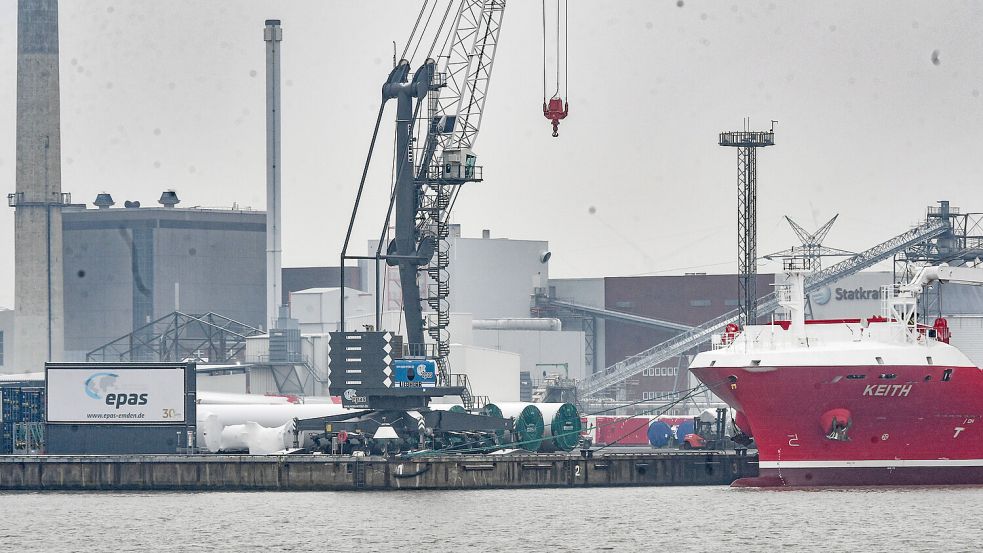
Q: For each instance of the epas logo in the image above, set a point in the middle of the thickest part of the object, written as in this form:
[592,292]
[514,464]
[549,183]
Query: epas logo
[98,386]
[351,394]
[126,399]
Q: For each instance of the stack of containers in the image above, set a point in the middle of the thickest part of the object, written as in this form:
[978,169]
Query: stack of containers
[21,420]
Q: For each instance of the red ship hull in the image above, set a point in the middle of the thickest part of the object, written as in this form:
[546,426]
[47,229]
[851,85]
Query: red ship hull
[908,425]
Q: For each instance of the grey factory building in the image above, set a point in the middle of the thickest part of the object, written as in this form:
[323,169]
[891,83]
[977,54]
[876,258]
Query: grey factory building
[125,267]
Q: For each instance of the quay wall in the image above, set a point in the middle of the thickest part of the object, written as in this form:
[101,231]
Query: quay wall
[325,472]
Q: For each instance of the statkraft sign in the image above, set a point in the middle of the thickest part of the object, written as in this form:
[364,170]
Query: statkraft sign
[857,295]
[125,395]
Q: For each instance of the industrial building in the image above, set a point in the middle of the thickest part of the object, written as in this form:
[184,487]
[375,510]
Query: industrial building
[493,281]
[489,277]
[126,267]
[295,279]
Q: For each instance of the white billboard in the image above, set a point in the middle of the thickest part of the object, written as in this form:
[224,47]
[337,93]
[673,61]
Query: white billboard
[110,394]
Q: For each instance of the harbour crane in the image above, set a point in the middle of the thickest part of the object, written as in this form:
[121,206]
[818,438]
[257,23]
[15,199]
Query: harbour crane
[439,108]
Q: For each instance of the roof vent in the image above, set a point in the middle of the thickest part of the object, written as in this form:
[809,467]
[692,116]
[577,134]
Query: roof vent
[104,200]
[169,199]
[133,204]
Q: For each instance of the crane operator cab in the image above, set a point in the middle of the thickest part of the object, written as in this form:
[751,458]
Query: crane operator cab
[459,165]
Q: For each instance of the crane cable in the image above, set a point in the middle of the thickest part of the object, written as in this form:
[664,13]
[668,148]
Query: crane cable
[557,93]
[544,51]
[409,39]
[425,25]
[566,48]
[422,130]
[440,31]
[416,26]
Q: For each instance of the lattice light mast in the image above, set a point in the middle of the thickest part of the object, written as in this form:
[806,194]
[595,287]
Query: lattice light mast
[812,250]
[747,143]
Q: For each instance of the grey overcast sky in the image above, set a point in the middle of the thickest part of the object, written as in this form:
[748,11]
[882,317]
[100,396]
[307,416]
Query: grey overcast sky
[159,95]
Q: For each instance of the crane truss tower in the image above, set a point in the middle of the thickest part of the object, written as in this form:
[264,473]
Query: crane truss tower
[747,144]
[446,159]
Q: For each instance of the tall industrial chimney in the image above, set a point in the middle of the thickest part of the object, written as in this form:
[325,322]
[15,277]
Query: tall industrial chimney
[39,321]
[273,34]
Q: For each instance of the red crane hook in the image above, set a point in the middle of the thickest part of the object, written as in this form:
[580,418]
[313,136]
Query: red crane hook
[555,110]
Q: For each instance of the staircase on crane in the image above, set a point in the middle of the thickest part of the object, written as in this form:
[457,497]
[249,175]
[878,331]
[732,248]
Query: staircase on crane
[686,341]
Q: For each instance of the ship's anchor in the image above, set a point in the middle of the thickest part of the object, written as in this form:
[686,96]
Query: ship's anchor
[838,430]
[836,424]
[742,439]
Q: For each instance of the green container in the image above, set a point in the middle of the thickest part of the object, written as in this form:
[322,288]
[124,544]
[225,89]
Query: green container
[457,409]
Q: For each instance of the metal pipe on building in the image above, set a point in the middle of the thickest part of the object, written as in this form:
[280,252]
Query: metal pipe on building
[544,324]
[204,397]
[272,35]
[269,416]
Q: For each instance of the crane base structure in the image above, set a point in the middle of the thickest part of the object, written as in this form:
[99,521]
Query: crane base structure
[383,432]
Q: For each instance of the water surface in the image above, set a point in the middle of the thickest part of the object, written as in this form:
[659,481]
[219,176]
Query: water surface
[711,518]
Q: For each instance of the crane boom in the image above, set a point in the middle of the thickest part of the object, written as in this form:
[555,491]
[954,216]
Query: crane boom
[446,160]
[467,65]
[943,273]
